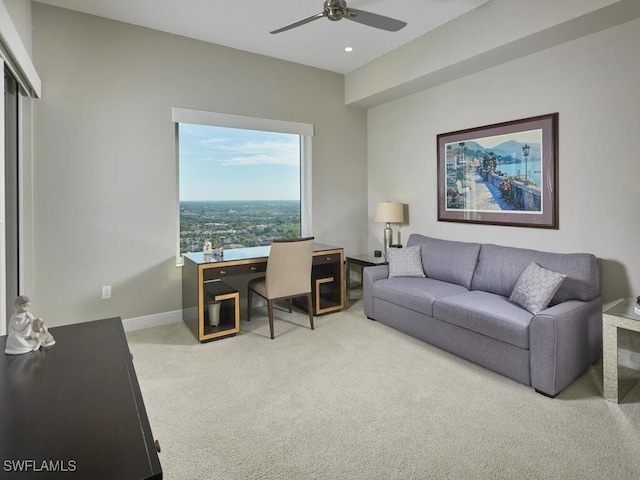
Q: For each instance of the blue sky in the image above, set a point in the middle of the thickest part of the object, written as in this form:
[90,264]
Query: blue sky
[218,163]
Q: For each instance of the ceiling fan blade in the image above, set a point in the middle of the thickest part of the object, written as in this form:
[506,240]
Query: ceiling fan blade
[374,20]
[301,22]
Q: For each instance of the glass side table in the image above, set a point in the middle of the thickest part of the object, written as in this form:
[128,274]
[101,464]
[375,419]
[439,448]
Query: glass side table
[620,316]
[360,262]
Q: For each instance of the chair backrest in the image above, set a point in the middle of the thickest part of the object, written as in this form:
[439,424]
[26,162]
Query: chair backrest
[289,267]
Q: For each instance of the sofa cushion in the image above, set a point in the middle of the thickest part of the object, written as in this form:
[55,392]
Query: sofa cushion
[414,293]
[535,288]
[405,262]
[500,267]
[488,314]
[447,260]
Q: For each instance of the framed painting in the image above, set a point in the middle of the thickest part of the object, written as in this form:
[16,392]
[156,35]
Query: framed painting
[501,174]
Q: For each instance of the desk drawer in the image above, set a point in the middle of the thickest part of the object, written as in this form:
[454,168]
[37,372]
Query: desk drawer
[326,258]
[214,273]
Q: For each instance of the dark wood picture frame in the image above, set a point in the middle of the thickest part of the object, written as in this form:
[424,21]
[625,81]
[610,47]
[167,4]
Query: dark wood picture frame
[500,174]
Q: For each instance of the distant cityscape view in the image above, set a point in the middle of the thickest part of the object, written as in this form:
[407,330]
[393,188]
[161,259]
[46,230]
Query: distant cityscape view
[237,223]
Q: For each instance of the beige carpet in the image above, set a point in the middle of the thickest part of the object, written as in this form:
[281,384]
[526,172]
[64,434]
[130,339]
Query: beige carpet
[355,399]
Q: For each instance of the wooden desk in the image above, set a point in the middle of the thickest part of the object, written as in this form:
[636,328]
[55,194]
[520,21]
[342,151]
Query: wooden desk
[201,271]
[75,410]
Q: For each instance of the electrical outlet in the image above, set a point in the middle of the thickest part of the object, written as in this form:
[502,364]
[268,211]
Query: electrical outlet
[106,292]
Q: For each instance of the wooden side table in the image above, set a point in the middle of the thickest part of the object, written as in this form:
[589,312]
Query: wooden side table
[620,316]
[360,262]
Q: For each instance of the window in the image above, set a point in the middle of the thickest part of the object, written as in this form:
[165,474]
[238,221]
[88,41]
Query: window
[243,181]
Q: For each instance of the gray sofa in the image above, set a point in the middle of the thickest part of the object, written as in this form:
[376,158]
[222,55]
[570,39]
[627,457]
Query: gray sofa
[462,305]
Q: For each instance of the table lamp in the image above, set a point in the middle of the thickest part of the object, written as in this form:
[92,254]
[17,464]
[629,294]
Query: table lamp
[388,212]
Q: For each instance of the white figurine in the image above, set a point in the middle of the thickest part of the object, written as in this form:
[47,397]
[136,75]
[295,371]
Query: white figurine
[21,337]
[207,249]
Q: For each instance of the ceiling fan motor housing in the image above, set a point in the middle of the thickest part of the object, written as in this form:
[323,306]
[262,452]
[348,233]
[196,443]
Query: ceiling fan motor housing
[335,9]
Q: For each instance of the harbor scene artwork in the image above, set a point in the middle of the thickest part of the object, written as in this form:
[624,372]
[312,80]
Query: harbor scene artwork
[502,174]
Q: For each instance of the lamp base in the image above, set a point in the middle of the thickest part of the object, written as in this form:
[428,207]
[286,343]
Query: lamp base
[388,240]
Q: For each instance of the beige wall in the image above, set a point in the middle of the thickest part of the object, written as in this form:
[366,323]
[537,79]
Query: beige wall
[505,60]
[105,172]
[20,12]
[105,169]
[593,83]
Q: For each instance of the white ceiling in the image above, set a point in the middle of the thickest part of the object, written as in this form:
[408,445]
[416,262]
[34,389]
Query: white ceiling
[245,25]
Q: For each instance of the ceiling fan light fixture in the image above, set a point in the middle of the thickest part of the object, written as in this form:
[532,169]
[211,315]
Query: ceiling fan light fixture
[348,49]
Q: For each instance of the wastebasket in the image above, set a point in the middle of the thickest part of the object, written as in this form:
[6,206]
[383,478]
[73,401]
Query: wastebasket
[214,314]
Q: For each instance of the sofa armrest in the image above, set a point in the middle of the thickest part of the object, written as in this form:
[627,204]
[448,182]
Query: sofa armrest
[369,276]
[564,341]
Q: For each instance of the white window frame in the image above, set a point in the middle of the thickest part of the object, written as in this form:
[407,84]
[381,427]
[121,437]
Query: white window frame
[214,119]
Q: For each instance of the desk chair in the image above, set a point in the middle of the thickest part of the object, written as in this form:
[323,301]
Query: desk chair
[288,276]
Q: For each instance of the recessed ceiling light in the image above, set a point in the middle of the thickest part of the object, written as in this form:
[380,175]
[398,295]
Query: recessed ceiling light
[348,49]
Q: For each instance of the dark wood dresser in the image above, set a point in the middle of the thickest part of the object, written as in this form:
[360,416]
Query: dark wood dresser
[75,410]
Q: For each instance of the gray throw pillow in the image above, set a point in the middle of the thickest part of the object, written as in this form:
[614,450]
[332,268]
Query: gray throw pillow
[405,262]
[536,287]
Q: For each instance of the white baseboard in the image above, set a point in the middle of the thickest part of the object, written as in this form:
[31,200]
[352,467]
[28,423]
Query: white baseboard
[148,321]
[165,318]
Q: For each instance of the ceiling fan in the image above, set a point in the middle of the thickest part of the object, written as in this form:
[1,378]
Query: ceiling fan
[336,10]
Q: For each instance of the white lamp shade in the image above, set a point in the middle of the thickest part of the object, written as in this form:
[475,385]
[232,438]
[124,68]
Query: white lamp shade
[389,212]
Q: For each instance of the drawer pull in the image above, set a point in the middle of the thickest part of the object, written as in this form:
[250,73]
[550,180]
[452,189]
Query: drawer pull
[253,269]
[223,272]
[329,259]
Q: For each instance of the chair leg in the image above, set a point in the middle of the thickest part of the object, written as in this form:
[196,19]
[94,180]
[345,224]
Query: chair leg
[249,297]
[310,309]
[270,308]
[290,305]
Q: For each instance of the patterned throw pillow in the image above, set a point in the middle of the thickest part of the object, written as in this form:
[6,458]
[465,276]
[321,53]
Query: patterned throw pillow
[405,262]
[536,287]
